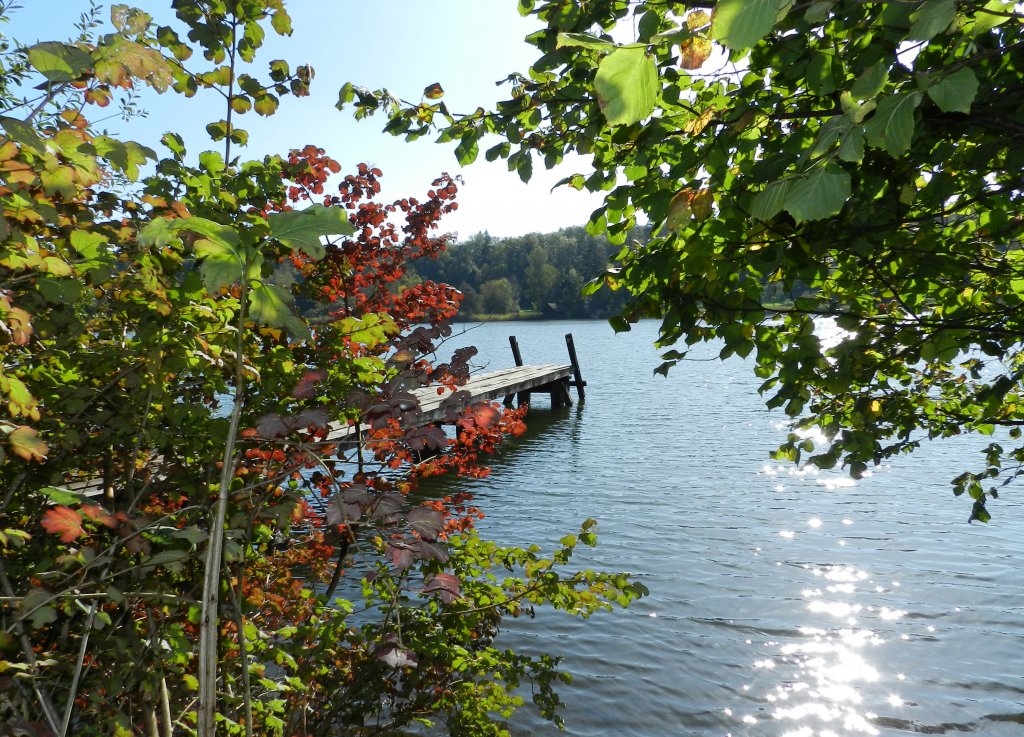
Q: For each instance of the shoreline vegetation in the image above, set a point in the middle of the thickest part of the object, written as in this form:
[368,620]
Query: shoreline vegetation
[542,276]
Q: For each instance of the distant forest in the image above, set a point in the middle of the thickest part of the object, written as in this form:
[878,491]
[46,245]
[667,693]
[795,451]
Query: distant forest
[540,273]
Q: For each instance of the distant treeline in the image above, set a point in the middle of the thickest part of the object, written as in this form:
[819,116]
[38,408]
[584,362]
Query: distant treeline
[541,273]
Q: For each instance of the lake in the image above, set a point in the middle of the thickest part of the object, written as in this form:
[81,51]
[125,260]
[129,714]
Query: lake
[783,603]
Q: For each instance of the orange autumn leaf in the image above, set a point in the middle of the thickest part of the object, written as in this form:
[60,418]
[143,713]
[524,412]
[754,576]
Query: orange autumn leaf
[63,521]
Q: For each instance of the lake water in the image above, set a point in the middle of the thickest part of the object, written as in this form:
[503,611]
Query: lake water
[783,604]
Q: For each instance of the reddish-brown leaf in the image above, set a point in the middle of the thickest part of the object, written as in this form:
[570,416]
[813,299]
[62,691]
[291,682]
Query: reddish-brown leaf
[693,52]
[445,585]
[99,514]
[306,387]
[63,521]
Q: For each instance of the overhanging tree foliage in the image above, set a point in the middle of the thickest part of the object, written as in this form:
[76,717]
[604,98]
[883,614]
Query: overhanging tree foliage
[869,151]
[183,549]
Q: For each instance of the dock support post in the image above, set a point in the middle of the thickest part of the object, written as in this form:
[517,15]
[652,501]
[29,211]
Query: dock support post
[516,355]
[579,383]
[518,358]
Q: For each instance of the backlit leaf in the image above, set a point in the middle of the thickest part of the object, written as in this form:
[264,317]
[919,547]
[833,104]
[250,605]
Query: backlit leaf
[129,20]
[739,24]
[626,85]
[679,210]
[819,194]
[302,229]
[994,13]
[59,62]
[468,149]
[693,52]
[25,442]
[63,521]
[702,204]
[583,41]
[281,22]
[220,265]
[271,305]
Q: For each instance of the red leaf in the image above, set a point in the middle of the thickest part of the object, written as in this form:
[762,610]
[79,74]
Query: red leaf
[306,387]
[63,521]
[99,514]
[480,415]
[401,555]
[445,585]
[427,522]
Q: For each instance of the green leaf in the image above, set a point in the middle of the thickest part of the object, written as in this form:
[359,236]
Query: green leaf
[851,146]
[279,70]
[126,156]
[270,305]
[769,202]
[931,19]
[60,291]
[818,12]
[128,20]
[224,235]
[175,143]
[997,13]
[524,167]
[627,86]
[739,24]
[62,496]
[59,62]
[158,233]
[955,92]
[23,133]
[819,194]
[281,22]
[892,126]
[221,264]
[87,244]
[871,81]
[583,41]
[218,130]
[821,73]
[59,181]
[302,229]
[36,607]
[468,149]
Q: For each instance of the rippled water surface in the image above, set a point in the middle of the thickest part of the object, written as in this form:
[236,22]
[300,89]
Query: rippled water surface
[783,604]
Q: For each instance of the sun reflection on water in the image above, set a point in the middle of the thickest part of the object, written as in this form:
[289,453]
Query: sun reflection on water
[832,664]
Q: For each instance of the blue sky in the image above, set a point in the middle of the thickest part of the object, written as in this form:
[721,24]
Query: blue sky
[466,45]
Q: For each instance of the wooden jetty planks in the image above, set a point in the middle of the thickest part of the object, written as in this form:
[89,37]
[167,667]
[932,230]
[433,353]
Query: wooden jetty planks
[496,385]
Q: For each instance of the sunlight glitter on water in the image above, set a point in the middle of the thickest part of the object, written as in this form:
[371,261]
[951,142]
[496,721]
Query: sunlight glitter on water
[836,666]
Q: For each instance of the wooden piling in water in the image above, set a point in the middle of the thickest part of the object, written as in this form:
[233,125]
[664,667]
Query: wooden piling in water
[577,375]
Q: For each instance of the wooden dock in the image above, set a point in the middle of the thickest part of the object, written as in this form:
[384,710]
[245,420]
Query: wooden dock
[425,406]
[507,385]
[515,384]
